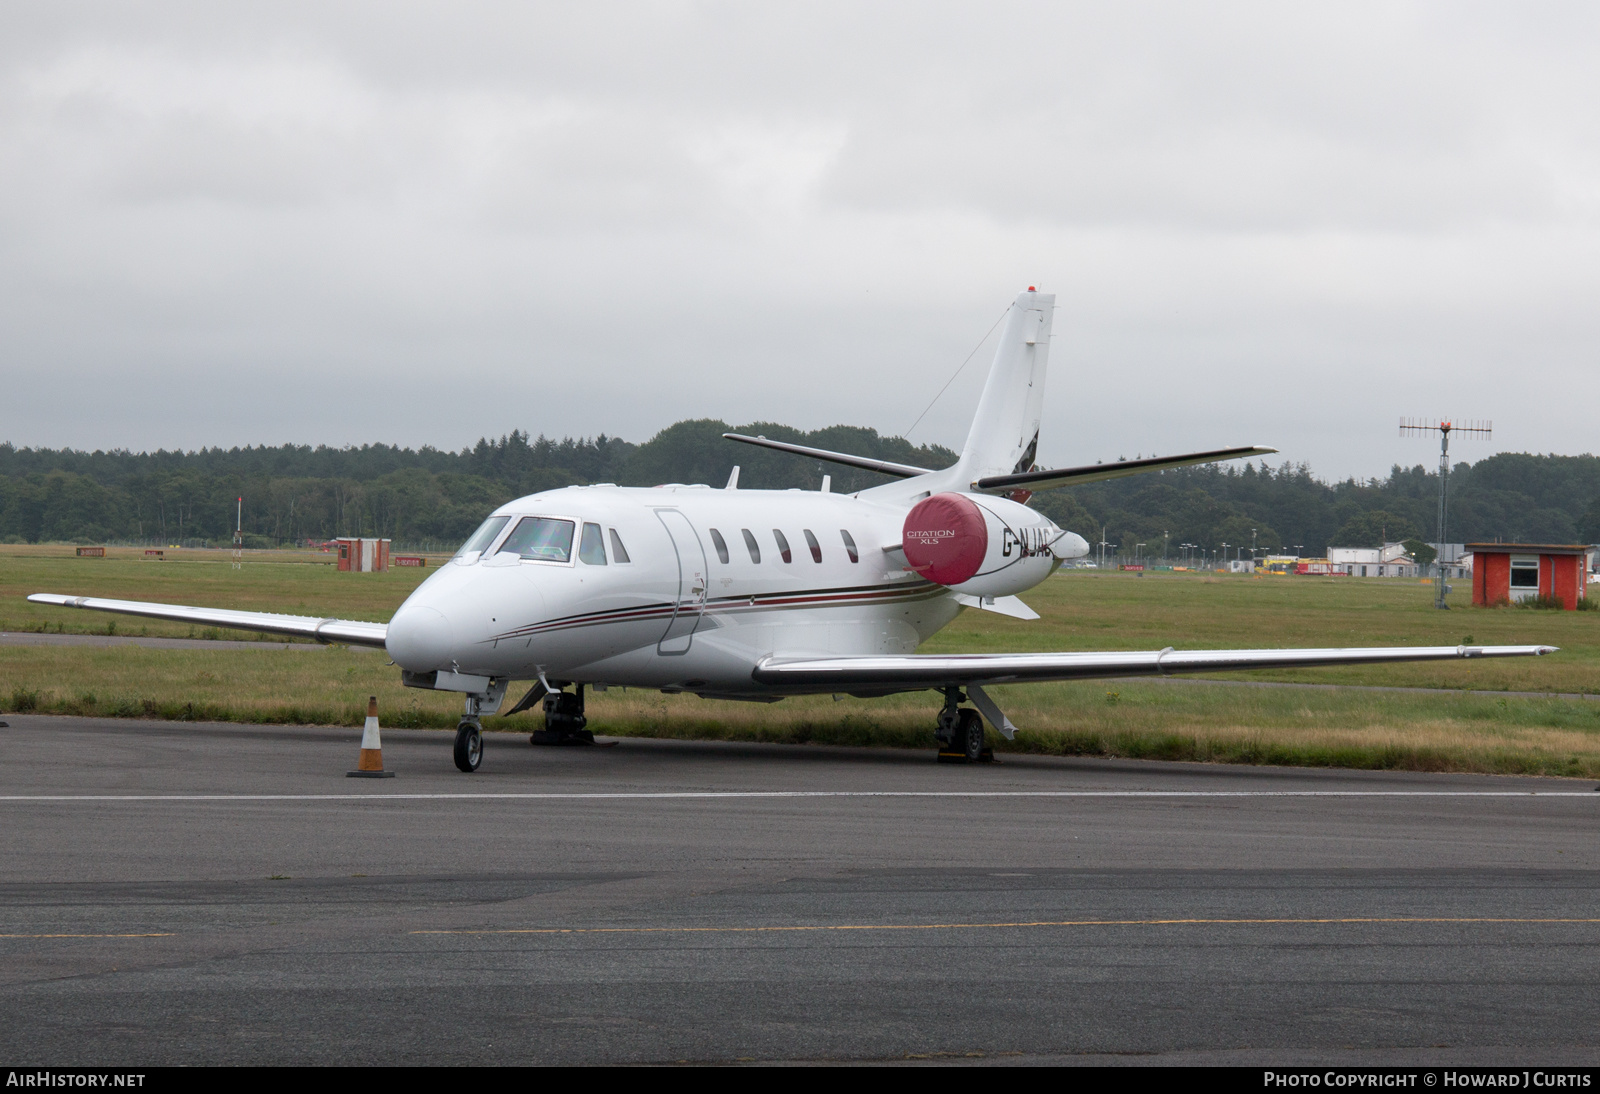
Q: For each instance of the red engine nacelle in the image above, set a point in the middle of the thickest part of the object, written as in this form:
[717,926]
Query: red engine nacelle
[992,547]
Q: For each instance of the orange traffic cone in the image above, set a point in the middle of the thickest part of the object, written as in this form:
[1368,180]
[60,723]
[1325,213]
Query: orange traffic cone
[370,766]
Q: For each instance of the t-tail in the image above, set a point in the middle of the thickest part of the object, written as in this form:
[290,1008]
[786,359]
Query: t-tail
[1004,437]
[1003,441]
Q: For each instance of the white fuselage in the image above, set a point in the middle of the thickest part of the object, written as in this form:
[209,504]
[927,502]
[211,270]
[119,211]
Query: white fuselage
[677,614]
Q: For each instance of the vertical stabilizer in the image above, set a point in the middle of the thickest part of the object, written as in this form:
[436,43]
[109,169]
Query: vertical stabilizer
[1004,438]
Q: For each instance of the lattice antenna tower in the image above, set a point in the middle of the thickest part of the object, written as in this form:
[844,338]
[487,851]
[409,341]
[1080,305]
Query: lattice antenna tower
[1416,426]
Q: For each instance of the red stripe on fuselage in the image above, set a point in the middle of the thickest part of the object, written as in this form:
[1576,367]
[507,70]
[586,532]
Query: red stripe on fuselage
[731,604]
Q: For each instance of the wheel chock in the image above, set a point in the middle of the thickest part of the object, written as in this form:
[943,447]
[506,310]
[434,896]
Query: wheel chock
[956,756]
[558,737]
[370,765]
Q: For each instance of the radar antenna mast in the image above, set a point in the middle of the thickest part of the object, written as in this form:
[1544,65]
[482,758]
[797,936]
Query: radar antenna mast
[1416,426]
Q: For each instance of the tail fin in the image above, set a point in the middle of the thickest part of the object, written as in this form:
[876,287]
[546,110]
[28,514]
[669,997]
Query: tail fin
[1004,437]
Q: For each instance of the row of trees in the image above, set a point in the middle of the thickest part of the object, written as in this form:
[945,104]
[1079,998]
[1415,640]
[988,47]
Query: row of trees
[428,496]
[293,493]
[1510,496]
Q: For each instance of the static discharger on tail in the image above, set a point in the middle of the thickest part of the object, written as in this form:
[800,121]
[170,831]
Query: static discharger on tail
[761,594]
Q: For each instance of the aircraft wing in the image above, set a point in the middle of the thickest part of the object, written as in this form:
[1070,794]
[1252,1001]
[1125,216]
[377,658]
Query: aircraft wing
[878,675]
[1095,472]
[348,632]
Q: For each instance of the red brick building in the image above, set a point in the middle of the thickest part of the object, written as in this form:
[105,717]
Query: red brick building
[1507,572]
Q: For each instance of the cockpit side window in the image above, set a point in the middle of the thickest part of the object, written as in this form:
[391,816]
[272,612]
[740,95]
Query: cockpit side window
[541,539]
[592,547]
[783,546]
[480,540]
[750,545]
[619,553]
[816,548]
[721,546]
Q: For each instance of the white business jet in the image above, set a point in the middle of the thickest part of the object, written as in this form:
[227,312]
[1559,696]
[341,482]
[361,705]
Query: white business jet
[761,594]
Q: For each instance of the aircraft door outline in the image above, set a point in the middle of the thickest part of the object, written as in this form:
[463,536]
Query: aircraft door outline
[692,583]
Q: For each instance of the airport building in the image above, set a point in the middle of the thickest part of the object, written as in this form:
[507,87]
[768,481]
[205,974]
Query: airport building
[363,556]
[1503,573]
[1453,558]
[1390,560]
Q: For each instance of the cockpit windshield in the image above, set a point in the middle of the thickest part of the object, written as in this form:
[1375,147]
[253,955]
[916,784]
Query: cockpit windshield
[542,539]
[483,536]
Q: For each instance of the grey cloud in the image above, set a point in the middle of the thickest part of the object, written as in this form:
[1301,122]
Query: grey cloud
[422,223]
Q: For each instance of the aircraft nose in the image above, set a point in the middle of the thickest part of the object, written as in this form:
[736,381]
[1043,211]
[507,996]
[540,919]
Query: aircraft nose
[420,638]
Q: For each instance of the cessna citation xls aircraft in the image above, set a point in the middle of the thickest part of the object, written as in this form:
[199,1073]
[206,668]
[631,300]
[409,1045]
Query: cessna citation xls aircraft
[761,594]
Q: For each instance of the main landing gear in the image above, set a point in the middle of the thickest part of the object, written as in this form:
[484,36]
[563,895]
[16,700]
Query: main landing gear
[563,720]
[960,732]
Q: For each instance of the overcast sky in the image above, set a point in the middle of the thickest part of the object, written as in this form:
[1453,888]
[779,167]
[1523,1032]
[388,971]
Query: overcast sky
[1268,223]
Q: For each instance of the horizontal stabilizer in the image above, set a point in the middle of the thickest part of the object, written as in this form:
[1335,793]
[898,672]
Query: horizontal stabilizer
[917,671]
[899,470]
[347,632]
[1073,476]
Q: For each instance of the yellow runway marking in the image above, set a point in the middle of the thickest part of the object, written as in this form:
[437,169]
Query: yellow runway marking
[963,926]
[153,934]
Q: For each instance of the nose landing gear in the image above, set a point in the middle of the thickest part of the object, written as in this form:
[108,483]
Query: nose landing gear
[563,720]
[469,734]
[960,732]
[469,745]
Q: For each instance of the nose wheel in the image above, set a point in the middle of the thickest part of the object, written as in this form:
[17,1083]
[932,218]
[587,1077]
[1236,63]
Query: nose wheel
[469,746]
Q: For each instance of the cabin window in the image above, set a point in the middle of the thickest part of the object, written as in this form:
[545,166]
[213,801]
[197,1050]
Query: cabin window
[816,548]
[783,546]
[540,539]
[849,546]
[479,541]
[721,545]
[750,545]
[619,553]
[592,547]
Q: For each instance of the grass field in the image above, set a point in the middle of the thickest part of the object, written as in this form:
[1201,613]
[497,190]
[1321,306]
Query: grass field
[1478,731]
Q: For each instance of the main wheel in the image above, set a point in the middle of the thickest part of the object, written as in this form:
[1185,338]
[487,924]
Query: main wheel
[969,735]
[469,747]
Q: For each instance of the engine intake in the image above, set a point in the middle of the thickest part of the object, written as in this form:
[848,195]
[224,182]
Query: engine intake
[984,547]
[945,538]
